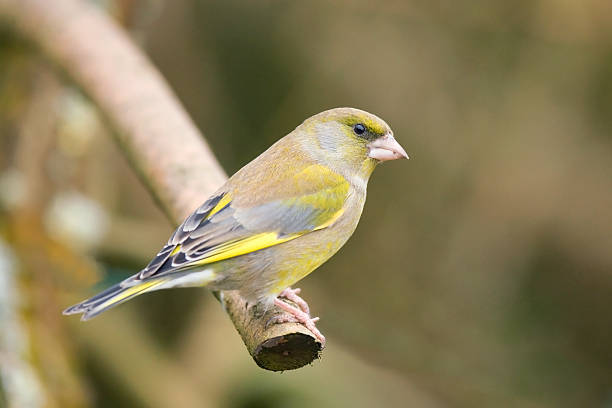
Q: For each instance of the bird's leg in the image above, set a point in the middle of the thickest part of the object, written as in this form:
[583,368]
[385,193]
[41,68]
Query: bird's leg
[280,319]
[292,295]
[302,317]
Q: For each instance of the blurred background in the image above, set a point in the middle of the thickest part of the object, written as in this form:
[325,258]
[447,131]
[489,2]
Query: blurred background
[480,274]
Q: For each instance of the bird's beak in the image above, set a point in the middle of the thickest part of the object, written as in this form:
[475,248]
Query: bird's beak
[386,148]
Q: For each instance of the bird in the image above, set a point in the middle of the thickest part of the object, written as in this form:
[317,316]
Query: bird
[274,221]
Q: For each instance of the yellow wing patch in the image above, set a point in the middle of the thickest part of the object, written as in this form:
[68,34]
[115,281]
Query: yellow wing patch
[134,290]
[244,246]
[255,243]
[332,219]
[222,203]
[330,192]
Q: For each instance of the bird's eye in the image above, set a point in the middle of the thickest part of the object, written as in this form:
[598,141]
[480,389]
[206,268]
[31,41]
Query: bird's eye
[359,129]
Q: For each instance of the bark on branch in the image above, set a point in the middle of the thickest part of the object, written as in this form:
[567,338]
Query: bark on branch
[162,143]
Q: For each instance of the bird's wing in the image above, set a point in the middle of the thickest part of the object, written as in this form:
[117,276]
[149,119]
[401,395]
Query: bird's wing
[228,225]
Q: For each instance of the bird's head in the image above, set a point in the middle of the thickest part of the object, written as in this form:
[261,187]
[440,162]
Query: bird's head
[350,140]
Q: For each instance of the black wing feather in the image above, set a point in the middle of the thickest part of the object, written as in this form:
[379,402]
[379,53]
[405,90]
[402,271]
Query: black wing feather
[179,236]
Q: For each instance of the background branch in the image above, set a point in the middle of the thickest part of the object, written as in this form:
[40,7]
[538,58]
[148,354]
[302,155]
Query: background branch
[158,137]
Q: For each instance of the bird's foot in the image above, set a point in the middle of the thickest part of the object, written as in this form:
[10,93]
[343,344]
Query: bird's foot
[300,316]
[281,318]
[292,295]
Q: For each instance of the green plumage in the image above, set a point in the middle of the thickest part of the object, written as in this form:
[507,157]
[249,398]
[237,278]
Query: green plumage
[273,222]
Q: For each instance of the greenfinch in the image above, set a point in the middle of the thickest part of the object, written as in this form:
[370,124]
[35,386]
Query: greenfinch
[273,222]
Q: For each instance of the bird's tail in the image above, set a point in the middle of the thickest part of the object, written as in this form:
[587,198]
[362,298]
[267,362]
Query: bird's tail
[113,296]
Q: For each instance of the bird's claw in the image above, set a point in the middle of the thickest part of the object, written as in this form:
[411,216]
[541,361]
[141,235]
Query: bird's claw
[292,295]
[298,315]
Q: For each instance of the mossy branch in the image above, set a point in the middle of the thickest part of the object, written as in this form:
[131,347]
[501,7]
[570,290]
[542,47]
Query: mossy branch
[155,133]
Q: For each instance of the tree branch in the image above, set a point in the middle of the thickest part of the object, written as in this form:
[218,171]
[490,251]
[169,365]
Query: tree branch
[161,142]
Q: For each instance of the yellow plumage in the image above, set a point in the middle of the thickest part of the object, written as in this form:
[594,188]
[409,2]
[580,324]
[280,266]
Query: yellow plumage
[275,220]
